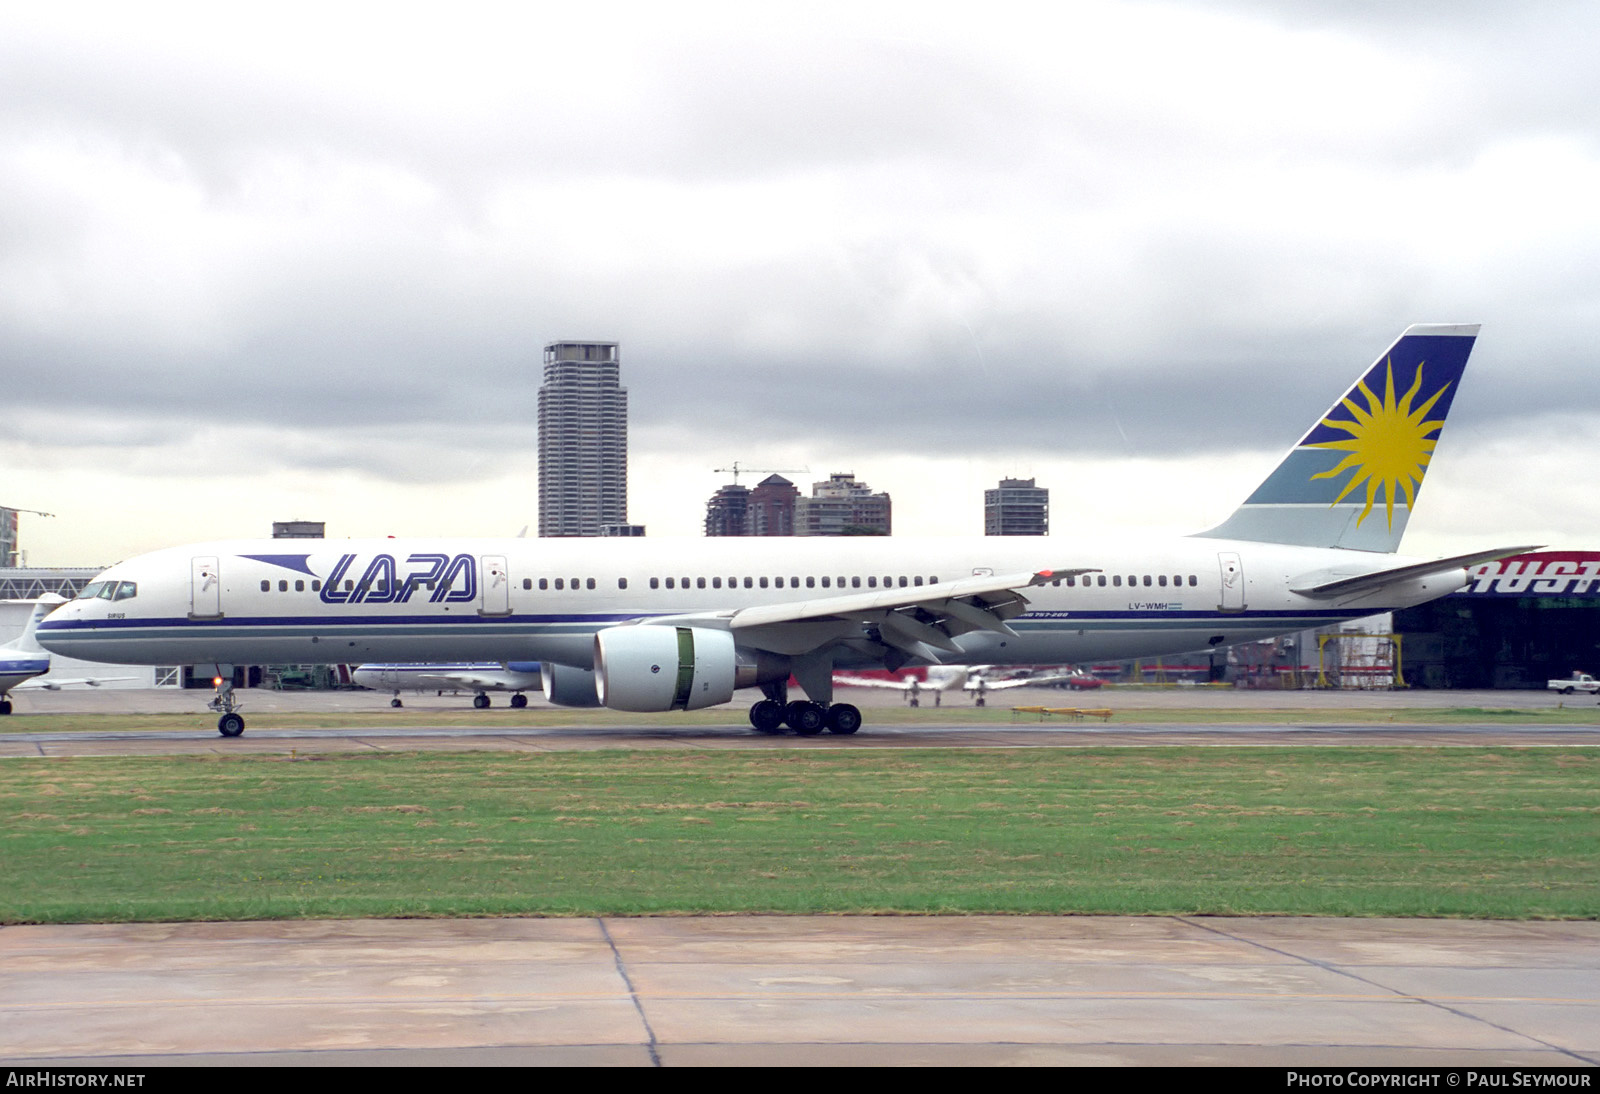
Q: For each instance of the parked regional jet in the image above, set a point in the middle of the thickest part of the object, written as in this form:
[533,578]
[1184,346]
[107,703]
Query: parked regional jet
[651,625]
[480,678]
[23,658]
[25,665]
[943,678]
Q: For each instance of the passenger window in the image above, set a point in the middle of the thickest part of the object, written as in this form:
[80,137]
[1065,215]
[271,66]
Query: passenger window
[527,583]
[904,583]
[1147,580]
[699,583]
[316,586]
[716,583]
[266,586]
[655,583]
[916,580]
[748,583]
[1101,581]
[811,582]
[588,583]
[1161,580]
[299,586]
[1192,580]
[561,583]
[778,582]
[1116,579]
[669,583]
[763,583]
[827,582]
[622,583]
[872,581]
[794,582]
[544,584]
[855,583]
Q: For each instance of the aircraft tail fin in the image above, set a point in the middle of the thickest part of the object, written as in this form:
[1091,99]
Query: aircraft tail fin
[1353,478]
[27,643]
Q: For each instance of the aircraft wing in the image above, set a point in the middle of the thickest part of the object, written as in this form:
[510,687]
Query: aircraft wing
[471,681]
[52,682]
[1328,585]
[918,620]
[1043,680]
[846,680]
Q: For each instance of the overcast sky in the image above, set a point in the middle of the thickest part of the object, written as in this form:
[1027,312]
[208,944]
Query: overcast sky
[281,261]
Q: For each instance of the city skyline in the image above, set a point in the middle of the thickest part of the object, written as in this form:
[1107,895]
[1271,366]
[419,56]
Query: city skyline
[265,262]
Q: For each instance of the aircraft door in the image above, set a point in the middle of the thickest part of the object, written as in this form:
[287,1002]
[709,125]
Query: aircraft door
[496,584]
[205,589]
[1232,567]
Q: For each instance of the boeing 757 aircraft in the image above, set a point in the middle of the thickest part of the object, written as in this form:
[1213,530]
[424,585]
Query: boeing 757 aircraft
[650,625]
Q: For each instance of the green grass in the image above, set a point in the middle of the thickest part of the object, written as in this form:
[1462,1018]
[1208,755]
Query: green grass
[1585,714]
[1496,832]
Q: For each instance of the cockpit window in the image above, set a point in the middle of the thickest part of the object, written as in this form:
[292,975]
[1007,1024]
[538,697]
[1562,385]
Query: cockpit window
[126,590]
[91,590]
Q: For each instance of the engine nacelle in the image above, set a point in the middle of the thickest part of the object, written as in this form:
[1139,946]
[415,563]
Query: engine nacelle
[566,686]
[654,668]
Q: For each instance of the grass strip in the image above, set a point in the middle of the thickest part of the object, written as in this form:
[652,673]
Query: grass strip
[1487,832]
[1587,714]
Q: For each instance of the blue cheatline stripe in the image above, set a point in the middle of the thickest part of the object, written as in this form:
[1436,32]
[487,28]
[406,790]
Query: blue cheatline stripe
[322,622]
[130,630]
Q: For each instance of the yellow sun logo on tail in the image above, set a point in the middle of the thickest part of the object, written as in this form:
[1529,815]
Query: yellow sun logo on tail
[1390,444]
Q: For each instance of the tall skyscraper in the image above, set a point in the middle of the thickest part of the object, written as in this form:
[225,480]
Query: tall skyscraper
[8,537]
[583,439]
[1016,508]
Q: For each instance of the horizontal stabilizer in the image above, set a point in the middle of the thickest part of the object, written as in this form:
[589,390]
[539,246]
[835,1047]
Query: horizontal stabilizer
[1324,585]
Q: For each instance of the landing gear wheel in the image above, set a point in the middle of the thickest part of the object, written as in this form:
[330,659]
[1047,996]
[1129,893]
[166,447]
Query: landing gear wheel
[519,700]
[843,718]
[767,716]
[480,701]
[981,702]
[230,725]
[5,706]
[395,703]
[805,717]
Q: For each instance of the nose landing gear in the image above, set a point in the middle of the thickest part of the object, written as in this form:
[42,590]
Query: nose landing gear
[230,724]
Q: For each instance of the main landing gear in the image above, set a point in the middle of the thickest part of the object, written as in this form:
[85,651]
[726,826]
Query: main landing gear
[230,724]
[805,717]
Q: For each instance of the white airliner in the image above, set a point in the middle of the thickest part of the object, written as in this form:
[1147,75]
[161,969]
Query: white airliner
[651,625]
[480,678]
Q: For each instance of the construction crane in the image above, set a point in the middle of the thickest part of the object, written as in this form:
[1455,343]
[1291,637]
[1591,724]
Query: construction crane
[34,512]
[736,470]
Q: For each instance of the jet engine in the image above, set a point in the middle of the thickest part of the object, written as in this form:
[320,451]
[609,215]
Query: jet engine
[566,686]
[651,668]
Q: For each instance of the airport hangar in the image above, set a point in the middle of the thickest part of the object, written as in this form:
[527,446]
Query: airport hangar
[1518,623]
